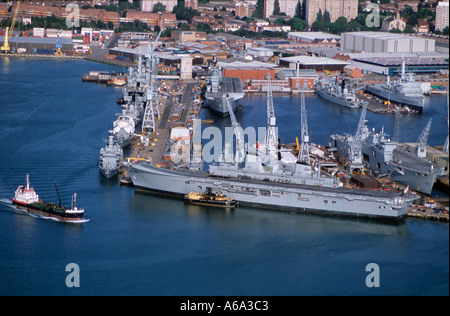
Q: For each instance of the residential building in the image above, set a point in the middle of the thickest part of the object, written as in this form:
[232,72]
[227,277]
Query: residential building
[244,8]
[336,9]
[147,5]
[286,6]
[193,4]
[442,12]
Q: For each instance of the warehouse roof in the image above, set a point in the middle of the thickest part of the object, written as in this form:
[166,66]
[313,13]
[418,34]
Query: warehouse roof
[384,35]
[309,60]
[245,64]
[413,61]
[314,35]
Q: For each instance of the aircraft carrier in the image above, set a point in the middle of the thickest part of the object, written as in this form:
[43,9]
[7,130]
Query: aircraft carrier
[219,88]
[268,175]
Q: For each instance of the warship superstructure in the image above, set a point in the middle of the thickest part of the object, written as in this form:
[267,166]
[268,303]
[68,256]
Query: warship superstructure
[404,91]
[265,175]
[124,128]
[379,153]
[219,89]
[339,94]
[110,158]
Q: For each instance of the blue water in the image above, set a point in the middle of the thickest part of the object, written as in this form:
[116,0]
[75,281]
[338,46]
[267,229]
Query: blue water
[52,126]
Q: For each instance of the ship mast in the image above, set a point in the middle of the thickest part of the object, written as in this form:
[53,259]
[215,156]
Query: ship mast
[356,144]
[303,154]
[57,193]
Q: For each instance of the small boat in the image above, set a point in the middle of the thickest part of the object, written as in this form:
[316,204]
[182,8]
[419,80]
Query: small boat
[209,199]
[119,82]
[26,198]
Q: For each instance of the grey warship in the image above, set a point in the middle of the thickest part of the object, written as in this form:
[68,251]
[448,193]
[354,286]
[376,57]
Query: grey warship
[404,91]
[110,158]
[265,175]
[339,94]
[219,88]
[380,154]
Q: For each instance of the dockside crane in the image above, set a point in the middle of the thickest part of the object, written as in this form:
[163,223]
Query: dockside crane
[271,137]
[240,150]
[148,122]
[303,154]
[421,147]
[9,31]
[355,148]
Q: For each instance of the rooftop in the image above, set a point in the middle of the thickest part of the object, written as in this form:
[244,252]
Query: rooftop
[314,35]
[381,35]
[309,60]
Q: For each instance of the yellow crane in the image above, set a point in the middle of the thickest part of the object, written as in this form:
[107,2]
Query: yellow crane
[9,30]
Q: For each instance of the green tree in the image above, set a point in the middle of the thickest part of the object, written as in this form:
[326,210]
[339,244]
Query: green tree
[298,10]
[159,7]
[205,27]
[409,29]
[279,21]
[303,17]
[297,24]
[326,16]
[319,16]
[259,12]
[276,8]
[339,26]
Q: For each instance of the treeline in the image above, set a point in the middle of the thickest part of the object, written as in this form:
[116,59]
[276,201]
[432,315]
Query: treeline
[54,22]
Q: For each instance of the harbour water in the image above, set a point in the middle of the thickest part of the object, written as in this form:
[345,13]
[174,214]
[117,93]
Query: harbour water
[52,126]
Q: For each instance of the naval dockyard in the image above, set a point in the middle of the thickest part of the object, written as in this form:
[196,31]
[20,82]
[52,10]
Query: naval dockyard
[159,115]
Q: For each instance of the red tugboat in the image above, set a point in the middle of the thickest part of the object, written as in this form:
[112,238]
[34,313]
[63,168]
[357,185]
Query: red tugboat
[26,198]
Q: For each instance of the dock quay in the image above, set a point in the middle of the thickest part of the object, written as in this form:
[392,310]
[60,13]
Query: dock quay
[440,213]
[176,111]
[379,106]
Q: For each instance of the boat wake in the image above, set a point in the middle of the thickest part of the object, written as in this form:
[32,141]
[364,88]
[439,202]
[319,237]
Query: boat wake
[9,203]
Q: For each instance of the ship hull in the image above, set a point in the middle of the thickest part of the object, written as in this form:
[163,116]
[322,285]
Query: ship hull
[344,103]
[281,196]
[108,173]
[414,172]
[218,106]
[413,102]
[48,213]
[231,89]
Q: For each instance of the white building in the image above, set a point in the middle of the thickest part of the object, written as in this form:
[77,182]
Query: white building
[442,12]
[147,5]
[385,42]
[286,6]
[260,52]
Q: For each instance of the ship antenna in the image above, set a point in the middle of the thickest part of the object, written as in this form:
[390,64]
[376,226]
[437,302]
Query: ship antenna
[28,182]
[57,193]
